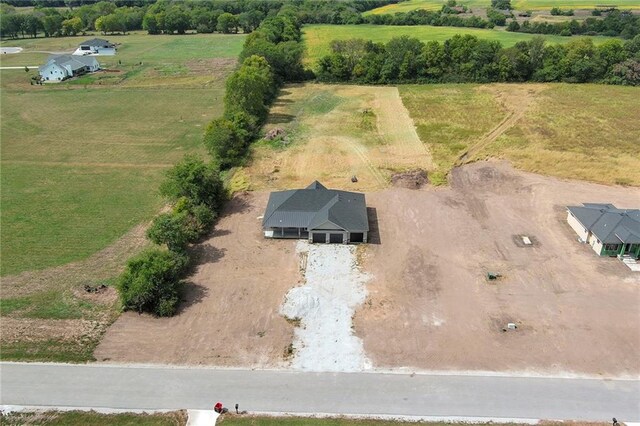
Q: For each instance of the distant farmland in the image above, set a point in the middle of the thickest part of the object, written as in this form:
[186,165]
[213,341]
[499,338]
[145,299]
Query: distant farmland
[318,37]
[409,5]
[81,160]
[576,131]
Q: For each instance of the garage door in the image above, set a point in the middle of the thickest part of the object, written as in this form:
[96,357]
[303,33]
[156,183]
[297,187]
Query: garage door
[319,238]
[335,238]
[356,237]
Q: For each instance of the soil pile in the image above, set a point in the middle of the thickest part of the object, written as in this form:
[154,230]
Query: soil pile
[414,179]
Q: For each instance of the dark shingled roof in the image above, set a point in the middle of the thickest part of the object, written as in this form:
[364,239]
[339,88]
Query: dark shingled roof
[314,206]
[97,42]
[608,223]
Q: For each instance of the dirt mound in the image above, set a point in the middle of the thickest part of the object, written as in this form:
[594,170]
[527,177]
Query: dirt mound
[412,180]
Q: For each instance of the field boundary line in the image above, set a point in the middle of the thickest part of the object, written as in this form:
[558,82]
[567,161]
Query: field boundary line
[83,164]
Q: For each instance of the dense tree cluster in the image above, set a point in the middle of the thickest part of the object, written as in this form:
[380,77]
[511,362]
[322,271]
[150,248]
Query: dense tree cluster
[271,56]
[424,17]
[469,59]
[169,16]
[101,16]
[616,23]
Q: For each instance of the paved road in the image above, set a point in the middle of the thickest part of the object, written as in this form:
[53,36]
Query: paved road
[136,387]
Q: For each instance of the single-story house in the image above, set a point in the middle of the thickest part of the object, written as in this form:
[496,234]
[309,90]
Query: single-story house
[95,46]
[61,67]
[318,214]
[608,230]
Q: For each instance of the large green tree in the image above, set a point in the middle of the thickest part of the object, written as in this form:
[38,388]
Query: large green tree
[151,282]
[250,89]
[195,180]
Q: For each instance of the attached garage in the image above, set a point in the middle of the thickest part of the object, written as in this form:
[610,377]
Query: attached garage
[319,237]
[336,238]
[356,237]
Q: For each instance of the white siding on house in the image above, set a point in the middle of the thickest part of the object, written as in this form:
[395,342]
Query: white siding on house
[94,51]
[595,244]
[577,226]
[53,72]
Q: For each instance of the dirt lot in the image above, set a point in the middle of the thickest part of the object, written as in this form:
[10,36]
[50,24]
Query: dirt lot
[430,306]
[230,315]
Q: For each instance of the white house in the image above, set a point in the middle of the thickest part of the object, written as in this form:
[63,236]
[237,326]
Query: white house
[61,67]
[95,46]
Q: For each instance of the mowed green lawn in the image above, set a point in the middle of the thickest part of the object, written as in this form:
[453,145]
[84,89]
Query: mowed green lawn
[318,37]
[409,5]
[81,160]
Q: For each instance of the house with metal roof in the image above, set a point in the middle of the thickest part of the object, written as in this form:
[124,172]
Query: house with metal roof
[318,214]
[95,46]
[608,230]
[61,67]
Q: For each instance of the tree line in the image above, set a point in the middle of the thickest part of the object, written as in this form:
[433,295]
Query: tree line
[271,56]
[616,23]
[153,280]
[169,16]
[469,59]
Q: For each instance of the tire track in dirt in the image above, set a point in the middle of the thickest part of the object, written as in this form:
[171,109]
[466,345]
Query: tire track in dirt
[517,102]
[360,152]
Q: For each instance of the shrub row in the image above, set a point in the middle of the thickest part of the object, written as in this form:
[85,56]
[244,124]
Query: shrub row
[152,280]
[271,56]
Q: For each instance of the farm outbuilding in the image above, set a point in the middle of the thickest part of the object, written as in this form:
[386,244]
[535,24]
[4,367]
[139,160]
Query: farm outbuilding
[608,230]
[318,214]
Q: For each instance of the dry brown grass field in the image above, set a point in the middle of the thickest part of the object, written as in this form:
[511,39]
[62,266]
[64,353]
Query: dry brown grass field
[333,133]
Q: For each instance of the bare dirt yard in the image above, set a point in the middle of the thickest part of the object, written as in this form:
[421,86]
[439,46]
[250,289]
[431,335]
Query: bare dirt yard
[230,313]
[430,305]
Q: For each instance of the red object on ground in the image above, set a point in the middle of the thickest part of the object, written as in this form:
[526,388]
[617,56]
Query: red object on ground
[218,407]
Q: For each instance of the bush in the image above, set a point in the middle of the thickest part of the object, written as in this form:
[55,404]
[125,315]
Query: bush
[225,143]
[196,181]
[173,229]
[151,282]
[496,17]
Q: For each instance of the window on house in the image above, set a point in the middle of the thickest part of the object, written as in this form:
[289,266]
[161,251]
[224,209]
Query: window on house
[611,247]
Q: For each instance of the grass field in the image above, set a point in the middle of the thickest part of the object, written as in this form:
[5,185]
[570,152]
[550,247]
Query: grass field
[406,6]
[82,418]
[586,132]
[318,37]
[81,165]
[81,160]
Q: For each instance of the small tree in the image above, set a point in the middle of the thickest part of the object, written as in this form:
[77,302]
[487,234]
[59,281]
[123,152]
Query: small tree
[173,229]
[224,143]
[151,282]
[227,23]
[195,180]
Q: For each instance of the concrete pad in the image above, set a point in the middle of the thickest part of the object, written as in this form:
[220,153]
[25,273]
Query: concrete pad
[4,50]
[202,417]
